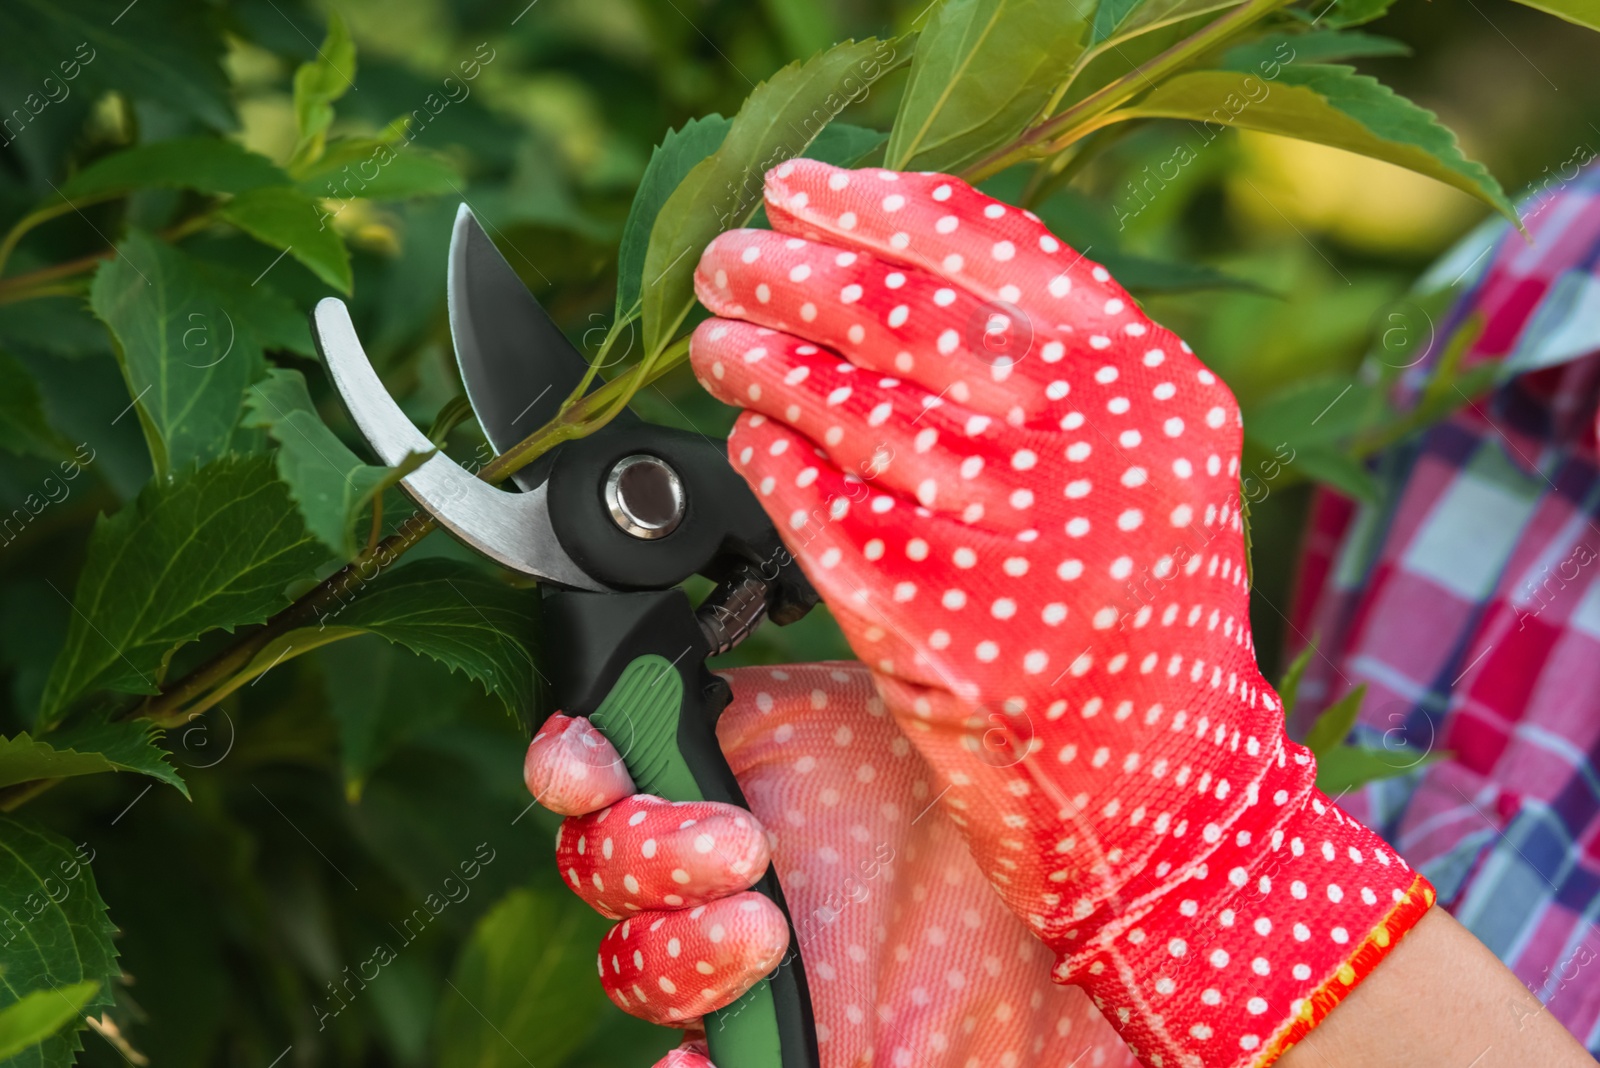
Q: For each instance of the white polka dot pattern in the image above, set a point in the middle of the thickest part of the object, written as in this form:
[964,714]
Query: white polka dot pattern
[911,958]
[1019,497]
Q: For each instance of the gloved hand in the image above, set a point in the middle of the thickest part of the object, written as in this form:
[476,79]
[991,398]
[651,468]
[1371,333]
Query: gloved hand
[1020,498]
[911,957]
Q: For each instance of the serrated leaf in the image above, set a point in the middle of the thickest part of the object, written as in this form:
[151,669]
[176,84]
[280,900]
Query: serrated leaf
[1585,13]
[379,169]
[1349,767]
[163,50]
[205,164]
[287,219]
[128,745]
[777,122]
[1289,685]
[679,152]
[1336,722]
[190,337]
[525,982]
[459,616]
[1269,52]
[1329,105]
[331,484]
[24,428]
[56,933]
[1353,12]
[983,69]
[214,548]
[317,84]
[41,1014]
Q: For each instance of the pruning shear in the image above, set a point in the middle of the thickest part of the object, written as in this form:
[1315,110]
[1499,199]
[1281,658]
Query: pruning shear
[609,524]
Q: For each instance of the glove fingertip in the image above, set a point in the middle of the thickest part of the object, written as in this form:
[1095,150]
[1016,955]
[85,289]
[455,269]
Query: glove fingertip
[572,770]
[692,1054]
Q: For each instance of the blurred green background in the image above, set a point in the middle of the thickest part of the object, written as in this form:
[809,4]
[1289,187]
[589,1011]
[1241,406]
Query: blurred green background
[328,805]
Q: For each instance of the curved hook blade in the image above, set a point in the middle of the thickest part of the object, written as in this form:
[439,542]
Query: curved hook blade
[512,529]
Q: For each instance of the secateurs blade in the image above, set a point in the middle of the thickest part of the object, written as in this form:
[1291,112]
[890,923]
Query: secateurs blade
[610,524]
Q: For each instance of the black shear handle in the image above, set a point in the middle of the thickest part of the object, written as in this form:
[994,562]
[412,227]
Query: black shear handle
[634,664]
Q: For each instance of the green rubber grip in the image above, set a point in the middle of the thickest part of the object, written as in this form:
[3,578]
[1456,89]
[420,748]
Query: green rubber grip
[673,756]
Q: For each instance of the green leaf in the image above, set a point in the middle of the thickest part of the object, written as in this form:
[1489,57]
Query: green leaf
[1334,725]
[1124,20]
[1585,13]
[379,169]
[318,84]
[1330,105]
[1275,49]
[39,1015]
[1315,411]
[1338,469]
[1289,685]
[1342,13]
[1108,15]
[190,337]
[671,161]
[983,69]
[128,745]
[332,486]
[458,615]
[380,695]
[845,144]
[163,50]
[1348,767]
[205,164]
[777,122]
[287,219]
[24,428]
[524,987]
[1141,275]
[215,548]
[55,934]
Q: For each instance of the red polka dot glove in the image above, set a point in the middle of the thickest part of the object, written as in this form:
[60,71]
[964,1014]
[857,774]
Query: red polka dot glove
[1018,495]
[911,958]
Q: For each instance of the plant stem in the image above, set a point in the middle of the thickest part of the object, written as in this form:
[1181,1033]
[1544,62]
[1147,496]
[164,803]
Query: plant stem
[198,690]
[30,285]
[1090,113]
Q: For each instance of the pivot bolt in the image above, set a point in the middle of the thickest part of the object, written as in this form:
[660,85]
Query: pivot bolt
[644,496]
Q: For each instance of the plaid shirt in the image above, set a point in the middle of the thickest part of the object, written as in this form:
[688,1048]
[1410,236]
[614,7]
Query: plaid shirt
[1468,601]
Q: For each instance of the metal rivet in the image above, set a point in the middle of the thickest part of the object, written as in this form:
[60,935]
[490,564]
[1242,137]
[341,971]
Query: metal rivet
[644,496]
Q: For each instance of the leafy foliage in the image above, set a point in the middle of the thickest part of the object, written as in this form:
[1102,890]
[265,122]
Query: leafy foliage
[498,1009]
[191,338]
[215,548]
[778,121]
[332,486]
[32,1020]
[126,746]
[983,69]
[182,182]
[56,941]
[1330,105]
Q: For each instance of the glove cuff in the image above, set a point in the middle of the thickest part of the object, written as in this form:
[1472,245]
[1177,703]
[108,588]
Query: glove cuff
[1256,943]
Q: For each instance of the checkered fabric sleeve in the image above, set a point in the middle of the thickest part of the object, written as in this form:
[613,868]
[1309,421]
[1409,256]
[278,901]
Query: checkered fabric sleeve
[1468,602]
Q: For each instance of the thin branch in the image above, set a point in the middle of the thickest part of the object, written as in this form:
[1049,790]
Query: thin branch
[198,690]
[1090,113]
